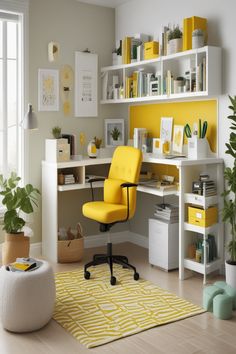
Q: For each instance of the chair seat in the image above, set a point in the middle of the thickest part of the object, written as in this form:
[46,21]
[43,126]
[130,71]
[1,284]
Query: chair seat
[104,213]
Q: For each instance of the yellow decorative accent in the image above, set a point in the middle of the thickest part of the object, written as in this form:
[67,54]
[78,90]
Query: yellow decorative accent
[95,312]
[202,217]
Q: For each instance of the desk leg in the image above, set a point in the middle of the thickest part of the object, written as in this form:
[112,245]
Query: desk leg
[181,221]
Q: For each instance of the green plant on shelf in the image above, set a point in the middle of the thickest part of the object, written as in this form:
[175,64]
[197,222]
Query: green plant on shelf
[56,132]
[175,33]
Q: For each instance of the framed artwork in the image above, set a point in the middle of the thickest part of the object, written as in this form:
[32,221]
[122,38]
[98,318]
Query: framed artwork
[114,132]
[166,129]
[86,72]
[178,138]
[48,90]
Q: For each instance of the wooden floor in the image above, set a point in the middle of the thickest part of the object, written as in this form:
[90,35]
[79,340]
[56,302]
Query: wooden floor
[195,335]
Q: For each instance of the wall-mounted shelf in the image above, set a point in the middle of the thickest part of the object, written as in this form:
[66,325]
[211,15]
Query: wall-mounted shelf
[201,67]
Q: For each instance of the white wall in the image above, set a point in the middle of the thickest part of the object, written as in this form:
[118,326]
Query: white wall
[147,16]
[75,26]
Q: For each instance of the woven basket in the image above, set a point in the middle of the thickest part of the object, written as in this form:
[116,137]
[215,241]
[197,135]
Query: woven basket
[70,250]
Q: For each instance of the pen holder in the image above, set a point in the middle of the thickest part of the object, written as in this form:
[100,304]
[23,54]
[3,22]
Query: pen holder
[197,148]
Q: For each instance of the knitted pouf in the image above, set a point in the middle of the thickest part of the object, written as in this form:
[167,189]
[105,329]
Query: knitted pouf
[26,298]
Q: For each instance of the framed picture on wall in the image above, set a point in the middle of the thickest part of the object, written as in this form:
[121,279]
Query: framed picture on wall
[86,72]
[114,132]
[48,90]
[178,138]
[166,128]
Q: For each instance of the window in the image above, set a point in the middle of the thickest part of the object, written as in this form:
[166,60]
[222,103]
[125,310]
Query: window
[11,93]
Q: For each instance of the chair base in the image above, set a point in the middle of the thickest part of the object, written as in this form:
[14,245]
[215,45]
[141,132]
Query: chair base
[110,260]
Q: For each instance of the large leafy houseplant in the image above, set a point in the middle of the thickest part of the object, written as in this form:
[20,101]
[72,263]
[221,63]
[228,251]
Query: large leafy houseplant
[229,210]
[17,200]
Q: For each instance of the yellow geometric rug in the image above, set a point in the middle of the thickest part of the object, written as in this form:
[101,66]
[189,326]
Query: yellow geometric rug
[96,313]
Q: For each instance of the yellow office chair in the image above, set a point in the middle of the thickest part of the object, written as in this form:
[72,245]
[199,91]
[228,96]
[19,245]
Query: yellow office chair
[118,205]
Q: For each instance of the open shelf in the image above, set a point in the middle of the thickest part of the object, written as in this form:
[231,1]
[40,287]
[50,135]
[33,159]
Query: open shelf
[200,229]
[200,267]
[75,186]
[156,191]
[200,200]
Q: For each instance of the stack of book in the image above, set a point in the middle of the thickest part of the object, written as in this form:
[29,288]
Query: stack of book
[69,179]
[168,213]
[23,265]
[206,188]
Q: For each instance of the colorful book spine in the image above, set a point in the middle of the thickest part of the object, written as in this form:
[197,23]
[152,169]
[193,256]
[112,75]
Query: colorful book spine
[126,50]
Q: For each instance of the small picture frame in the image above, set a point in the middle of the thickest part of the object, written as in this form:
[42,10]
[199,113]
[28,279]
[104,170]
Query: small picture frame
[166,129]
[48,90]
[114,132]
[178,138]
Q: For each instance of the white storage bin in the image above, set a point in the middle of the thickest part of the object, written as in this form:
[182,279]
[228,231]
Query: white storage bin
[57,150]
[197,148]
[163,244]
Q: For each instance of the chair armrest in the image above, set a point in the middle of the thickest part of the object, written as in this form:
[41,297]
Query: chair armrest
[128,185]
[97,179]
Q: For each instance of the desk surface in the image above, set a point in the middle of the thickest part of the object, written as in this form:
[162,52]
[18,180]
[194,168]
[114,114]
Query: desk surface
[147,157]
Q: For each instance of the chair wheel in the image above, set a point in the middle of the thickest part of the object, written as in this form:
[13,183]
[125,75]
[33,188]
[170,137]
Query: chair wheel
[113,280]
[86,275]
[136,276]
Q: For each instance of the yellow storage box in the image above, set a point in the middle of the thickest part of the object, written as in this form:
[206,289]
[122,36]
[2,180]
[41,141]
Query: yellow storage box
[151,50]
[202,217]
[189,25]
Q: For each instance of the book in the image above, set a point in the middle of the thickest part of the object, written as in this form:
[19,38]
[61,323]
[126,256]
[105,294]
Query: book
[126,50]
[23,265]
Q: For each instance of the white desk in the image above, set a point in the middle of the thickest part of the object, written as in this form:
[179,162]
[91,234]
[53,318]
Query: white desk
[188,171]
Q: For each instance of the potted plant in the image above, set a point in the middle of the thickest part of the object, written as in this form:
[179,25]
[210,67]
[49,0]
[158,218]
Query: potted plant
[229,210]
[115,133]
[56,132]
[175,43]
[17,200]
[98,142]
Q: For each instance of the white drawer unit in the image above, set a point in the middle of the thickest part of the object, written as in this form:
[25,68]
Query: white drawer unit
[163,244]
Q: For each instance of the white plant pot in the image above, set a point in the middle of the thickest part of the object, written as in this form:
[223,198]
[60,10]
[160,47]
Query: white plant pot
[174,46]
[230,274]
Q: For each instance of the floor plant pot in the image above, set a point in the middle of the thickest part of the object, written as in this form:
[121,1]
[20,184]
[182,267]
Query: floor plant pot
[15,245]
[230,273]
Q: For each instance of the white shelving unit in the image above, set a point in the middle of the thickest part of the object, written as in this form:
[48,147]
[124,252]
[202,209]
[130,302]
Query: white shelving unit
[178,64]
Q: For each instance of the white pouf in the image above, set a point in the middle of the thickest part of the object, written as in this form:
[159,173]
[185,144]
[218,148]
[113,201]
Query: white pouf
[26,298]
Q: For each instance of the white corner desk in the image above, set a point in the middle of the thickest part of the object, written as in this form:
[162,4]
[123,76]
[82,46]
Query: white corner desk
[188,171]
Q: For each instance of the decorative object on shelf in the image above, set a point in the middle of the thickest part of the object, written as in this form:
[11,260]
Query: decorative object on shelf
[197,39]
[175,42]
[57,150]
[151,50]
[114,132]
[92,150]
[66,85]
[82,142]
[86,67]
[178,139]
[229,209]
[56,132]
[53,51]
[48,90]
[30,121]
[166,129]
[189,25]
[16,200]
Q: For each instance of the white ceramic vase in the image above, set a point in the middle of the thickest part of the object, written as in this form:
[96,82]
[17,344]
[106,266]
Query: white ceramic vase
[174,46]
[230,274]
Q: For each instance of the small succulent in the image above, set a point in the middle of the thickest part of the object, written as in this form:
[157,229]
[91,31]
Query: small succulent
[197,33]
[56,132]
[97,142]
[175,33]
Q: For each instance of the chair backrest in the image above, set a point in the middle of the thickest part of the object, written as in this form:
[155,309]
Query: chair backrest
[125,167]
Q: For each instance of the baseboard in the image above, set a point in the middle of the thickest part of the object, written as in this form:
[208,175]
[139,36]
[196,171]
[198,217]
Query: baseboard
[96,241]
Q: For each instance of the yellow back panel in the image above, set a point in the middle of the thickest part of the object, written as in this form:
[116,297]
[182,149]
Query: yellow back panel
[149,116]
